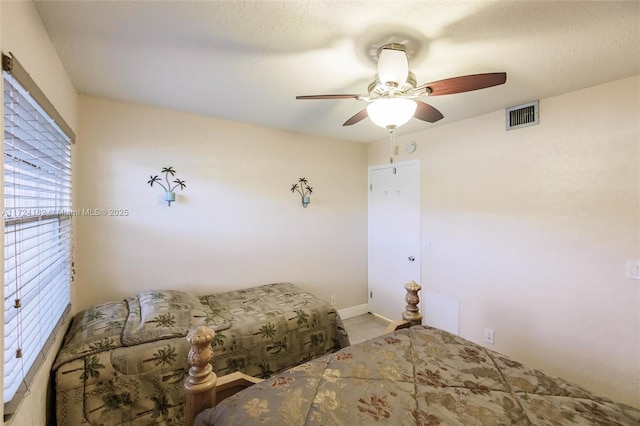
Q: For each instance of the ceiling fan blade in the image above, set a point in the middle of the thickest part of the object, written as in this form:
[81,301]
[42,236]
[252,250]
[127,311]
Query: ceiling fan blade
[426,112]
[356,118]
[465,83]
[328,97]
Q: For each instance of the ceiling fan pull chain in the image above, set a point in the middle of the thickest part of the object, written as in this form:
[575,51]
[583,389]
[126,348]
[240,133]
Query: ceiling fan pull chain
[392,140]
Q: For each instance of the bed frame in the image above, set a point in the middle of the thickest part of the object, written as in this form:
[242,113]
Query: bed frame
[204,389]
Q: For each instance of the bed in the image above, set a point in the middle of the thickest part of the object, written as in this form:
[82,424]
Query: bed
[413,376]
[125,362]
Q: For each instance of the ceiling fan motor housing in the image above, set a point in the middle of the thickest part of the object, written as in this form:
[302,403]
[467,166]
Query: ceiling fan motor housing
[378,90]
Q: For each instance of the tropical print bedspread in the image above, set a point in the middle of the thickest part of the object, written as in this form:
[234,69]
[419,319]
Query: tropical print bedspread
[124,362]
[417,376]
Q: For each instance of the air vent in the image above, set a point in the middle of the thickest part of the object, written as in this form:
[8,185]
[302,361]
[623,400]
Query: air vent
[522,115]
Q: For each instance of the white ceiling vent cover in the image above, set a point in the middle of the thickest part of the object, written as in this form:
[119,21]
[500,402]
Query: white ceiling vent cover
[522,115]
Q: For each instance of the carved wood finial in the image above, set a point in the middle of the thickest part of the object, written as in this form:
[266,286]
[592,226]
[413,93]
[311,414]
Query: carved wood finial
[201,383]
[411,315]
[412,312]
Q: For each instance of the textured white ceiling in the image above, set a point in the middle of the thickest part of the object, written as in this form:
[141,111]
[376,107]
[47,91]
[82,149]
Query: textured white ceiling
[247,60]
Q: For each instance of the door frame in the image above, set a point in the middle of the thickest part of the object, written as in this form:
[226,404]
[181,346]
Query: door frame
[416,162]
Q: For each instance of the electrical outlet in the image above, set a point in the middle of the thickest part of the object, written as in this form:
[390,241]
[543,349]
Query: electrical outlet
[488,335]
[332,299]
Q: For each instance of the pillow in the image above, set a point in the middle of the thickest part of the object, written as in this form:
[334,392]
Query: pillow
[93,330]
[163,314]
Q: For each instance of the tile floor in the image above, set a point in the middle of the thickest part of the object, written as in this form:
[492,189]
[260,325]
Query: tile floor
[364,327]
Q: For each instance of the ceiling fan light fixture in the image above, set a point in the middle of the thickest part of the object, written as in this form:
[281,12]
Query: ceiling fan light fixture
[391,113]
[393,66]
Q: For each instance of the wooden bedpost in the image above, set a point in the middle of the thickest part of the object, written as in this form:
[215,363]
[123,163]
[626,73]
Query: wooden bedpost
[204,389]
[412,311]
[411,315]
[201,383]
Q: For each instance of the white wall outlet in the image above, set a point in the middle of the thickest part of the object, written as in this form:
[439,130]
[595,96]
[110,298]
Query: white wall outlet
[488,335]
[332,299]
[632,269]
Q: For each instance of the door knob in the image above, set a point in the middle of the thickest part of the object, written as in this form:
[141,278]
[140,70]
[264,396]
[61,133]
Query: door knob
[411,258]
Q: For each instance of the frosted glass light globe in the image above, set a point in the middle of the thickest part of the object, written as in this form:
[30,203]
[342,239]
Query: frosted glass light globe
[391,113]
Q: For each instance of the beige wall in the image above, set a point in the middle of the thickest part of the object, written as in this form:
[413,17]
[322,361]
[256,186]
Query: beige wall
[236,224]
[23,34]
[530,230]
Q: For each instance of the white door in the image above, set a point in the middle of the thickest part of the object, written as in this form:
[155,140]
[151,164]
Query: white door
[394,236]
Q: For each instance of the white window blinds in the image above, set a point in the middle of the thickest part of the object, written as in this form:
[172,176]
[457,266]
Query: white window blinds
[37,231]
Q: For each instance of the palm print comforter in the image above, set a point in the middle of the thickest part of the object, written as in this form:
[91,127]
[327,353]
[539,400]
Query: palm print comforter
[417,376]
[124,363]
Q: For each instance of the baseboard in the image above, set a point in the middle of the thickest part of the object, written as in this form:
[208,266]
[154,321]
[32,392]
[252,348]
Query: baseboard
[353,311]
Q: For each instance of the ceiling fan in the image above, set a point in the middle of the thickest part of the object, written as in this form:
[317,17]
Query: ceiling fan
[393,93]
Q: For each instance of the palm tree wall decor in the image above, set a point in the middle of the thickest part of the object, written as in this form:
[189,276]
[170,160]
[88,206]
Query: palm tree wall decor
[303,188]
[169,190]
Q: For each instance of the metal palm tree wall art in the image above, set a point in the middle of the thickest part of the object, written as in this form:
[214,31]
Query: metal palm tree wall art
[170,195]
[303,188]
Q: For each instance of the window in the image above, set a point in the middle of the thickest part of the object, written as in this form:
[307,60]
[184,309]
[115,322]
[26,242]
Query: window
[37,229]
